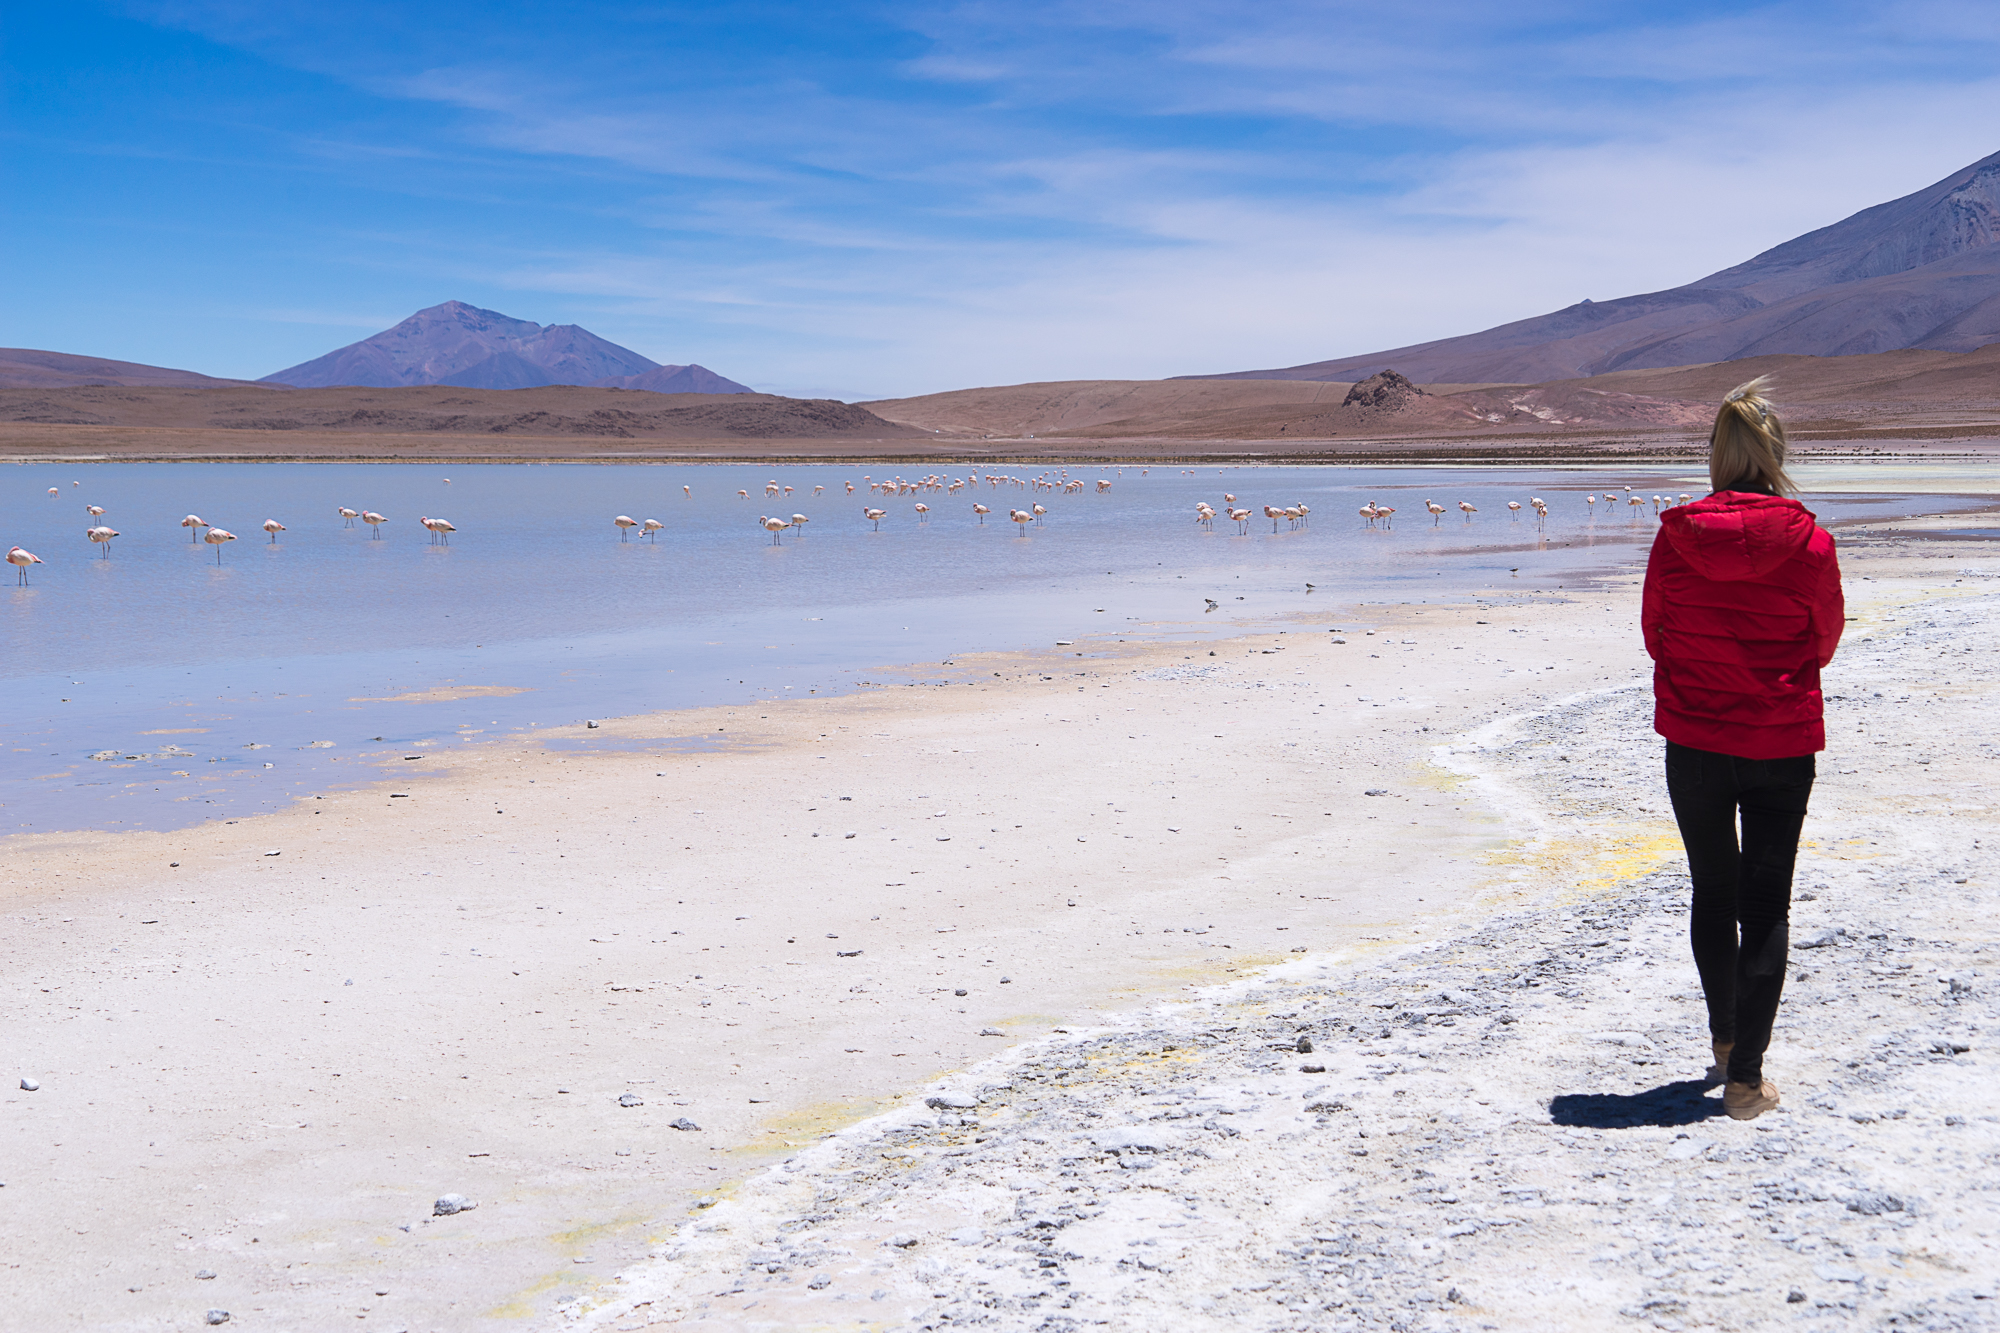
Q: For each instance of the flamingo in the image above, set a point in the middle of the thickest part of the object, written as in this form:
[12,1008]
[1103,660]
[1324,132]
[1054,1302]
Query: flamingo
[371,518]
[447,481]
[1637,502]
[95,511]
[875,516]
[1382,512]
[982,511]
[191,522]
[742,495]
[102,536]
[350,515]
[1305,512]
[1242,517]
[923,513]
[441,530]
[216,537]
[1367,512]
[1467,509]
[20,560]
[818,489]
[1514,510]
[1103,486]
[272,526]
[53,492]
[1591,500]
[1039,511]
[1228,499]
[774,526]
[799,521]
[1436,510]
[850,488]
[652,525]
[625,523]
[1021,519]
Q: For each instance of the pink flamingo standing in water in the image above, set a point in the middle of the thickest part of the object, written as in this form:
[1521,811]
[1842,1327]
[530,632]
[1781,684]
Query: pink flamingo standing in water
[216,537]
[272,526]
[102,536]
[191,523]
[20,559]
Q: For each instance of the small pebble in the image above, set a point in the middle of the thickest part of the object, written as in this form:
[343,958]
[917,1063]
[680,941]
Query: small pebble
[452,1203]
[29,1085]
[1376,791]
[1305,1046]
[218,1316]
[631,1099]
[958,992]
[683,1123]
[206,1274]
[902,1240]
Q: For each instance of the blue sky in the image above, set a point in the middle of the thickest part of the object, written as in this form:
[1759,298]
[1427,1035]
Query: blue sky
[861,200]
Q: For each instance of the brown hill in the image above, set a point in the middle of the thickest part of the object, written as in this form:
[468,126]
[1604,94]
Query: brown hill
[1904,392]
[27,367]
[1921,272]
[455,420]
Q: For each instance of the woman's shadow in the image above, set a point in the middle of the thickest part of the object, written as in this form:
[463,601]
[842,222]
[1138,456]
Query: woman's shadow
[1678,1103]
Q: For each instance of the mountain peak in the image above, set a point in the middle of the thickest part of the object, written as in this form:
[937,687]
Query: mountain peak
[465,345]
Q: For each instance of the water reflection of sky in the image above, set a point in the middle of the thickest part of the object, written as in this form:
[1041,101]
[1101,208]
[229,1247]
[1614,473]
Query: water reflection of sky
[324,658]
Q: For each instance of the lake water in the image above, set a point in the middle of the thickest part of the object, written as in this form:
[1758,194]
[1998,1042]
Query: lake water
[158,688]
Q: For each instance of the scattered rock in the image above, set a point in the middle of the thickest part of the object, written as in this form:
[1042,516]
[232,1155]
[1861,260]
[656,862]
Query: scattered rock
[820,1283]
[902,1240]
[631,1099]
[29,1085]
[958,992]
[991,1032]
[452,1203]
[217,1316]
[591,725]
[1305,1046]
[205,1275]
[847,953]
[682,1123]
[1312,1069]
[1376,791]
[951,1101]
[1819,939]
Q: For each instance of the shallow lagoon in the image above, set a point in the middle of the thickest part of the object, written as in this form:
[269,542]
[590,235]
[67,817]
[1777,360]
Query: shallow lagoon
[214,690]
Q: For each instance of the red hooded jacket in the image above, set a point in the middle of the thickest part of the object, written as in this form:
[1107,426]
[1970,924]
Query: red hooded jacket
[1742,608]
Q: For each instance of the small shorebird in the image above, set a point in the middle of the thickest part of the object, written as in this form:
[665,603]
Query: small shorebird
[192,522]
[651,526]
[625,524]
[272,526]
[875,516]
[20,560]
[103,537]
[375,521]
[216,537]
[350,515]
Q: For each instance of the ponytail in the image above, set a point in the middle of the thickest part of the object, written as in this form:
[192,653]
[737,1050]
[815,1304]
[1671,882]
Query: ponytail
[1746,450]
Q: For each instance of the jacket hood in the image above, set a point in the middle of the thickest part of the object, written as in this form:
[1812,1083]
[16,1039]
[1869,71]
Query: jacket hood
[1735,535]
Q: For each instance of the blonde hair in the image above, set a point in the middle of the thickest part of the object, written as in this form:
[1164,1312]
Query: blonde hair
[1746,450]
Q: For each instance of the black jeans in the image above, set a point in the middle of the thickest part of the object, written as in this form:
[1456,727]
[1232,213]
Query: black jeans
[1739,919]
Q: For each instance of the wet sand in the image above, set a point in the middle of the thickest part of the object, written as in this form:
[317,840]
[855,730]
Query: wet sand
[539,935]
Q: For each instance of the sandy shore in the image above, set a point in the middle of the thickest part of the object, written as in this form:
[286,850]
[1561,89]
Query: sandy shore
[267,1060]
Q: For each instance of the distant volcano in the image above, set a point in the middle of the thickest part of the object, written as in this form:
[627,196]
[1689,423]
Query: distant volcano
[1922,271]
[470,348]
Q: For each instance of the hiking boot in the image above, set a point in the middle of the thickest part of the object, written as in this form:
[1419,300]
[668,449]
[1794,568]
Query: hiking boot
[1743,1102]
[1719,1071]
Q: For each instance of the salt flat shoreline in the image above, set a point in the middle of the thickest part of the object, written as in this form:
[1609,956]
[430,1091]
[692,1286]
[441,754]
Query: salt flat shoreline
[1101,831]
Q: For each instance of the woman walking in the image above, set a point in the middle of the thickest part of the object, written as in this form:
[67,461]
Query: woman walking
[1742,608]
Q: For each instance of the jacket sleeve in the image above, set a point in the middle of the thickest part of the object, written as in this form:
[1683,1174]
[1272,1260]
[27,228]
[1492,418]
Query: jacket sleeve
[1652,603]
[1829,606]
